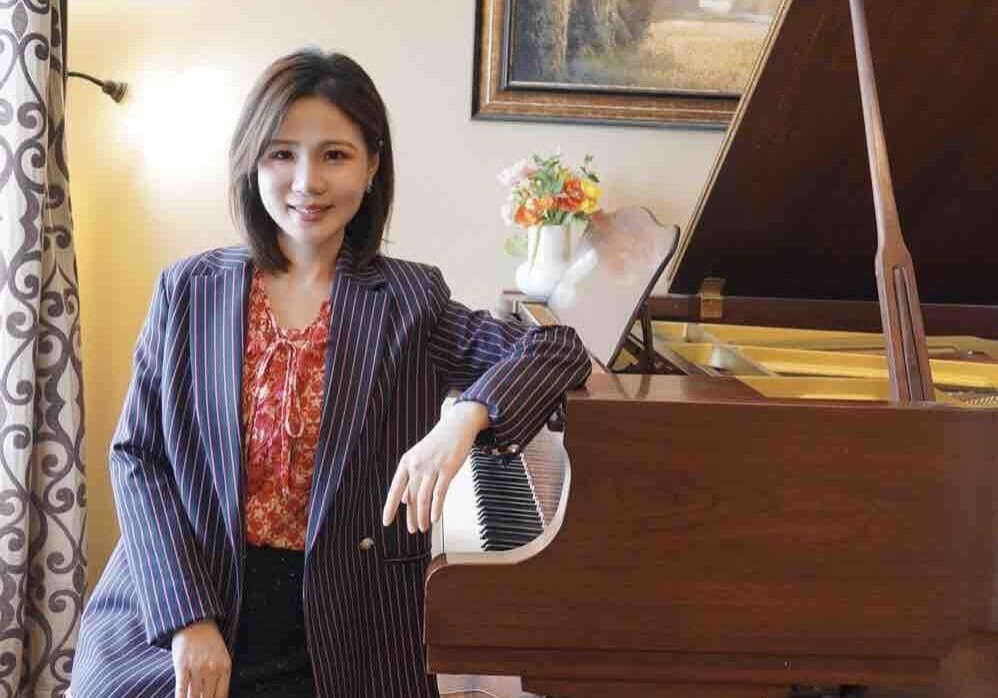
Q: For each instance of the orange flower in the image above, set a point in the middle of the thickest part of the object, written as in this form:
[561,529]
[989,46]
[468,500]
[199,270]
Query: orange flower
[525,217]
[567,205]
[573,188]
[545,204]
[571,195]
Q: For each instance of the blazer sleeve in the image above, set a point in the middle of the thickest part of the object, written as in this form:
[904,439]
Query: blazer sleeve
[518,372]
[171,581]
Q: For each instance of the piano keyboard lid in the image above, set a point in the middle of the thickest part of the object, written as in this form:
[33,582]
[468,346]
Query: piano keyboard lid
[787,211]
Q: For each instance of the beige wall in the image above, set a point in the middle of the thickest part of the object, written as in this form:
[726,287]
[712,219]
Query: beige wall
[148,175]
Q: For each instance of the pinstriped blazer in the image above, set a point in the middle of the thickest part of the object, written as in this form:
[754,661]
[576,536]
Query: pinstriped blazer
[397,345]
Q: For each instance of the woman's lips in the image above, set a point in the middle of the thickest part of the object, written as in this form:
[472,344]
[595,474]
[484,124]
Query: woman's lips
[309,214]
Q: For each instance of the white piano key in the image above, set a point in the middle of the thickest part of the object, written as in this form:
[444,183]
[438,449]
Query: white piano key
[457,529]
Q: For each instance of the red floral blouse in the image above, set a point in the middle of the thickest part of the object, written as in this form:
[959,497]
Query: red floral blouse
[283,377]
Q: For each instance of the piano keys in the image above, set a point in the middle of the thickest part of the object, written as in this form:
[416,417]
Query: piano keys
[499,503]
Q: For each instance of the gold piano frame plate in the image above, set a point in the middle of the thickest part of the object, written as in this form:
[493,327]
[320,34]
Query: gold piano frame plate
[826,365]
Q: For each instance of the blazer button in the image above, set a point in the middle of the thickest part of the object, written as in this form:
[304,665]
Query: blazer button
[366,544]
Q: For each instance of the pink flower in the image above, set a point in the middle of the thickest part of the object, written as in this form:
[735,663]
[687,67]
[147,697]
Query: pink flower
[516,173]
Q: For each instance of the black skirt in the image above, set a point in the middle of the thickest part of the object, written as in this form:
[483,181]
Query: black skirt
[270,657]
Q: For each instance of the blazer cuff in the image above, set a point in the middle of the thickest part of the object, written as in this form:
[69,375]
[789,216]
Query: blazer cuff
[159,633]
[162,636]
[495,439]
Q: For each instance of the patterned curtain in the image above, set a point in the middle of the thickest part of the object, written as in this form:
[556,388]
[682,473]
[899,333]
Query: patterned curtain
[42,494]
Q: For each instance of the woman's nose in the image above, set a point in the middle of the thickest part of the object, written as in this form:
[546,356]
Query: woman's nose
[308,177]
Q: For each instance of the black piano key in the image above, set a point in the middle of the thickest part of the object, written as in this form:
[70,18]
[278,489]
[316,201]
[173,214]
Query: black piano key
[524,494]
[504,501]
[502,507]
[510,516]
[511,526]
[504,481]
[507,512]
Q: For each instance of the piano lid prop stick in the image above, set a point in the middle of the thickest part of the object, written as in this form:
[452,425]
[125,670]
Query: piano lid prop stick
[900,311]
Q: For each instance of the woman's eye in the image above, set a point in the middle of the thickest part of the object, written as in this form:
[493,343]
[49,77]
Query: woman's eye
[280,155]
[335,155]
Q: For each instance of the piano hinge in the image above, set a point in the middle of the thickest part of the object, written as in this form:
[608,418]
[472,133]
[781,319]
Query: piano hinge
[711,298]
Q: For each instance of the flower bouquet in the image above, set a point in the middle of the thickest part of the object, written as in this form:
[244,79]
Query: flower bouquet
[545,199]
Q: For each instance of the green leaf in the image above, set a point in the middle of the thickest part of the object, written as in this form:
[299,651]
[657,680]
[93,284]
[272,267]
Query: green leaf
[516,246]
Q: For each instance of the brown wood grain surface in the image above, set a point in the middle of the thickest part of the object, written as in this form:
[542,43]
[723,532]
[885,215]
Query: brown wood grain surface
[705,534]
[788,210]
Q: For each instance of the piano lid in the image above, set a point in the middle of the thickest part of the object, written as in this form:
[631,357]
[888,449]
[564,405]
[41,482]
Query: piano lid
[788,210]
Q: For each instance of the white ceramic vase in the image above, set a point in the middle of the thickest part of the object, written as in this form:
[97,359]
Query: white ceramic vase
[548,254]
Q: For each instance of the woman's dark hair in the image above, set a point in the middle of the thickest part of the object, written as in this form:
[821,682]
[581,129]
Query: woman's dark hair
[308,73]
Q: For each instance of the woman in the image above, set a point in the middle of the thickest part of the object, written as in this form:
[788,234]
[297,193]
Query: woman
[285,402]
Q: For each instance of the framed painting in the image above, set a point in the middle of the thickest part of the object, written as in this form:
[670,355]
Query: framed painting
[645,62]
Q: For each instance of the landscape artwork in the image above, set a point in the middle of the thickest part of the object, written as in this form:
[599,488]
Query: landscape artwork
[694,47]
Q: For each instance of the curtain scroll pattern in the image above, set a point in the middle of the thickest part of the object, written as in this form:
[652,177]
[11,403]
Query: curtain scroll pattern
[42,494]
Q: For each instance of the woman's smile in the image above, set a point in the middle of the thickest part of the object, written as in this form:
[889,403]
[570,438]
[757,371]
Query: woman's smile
[308,214]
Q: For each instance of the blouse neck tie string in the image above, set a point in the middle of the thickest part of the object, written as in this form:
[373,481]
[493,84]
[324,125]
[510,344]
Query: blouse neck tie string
[289,410]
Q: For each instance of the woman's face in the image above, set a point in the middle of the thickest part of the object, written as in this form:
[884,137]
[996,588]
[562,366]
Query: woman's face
[313,174]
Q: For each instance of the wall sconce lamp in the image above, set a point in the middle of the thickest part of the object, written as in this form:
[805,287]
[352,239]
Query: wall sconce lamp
[115,90]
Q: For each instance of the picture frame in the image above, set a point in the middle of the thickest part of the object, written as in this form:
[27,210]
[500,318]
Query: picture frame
[497,95]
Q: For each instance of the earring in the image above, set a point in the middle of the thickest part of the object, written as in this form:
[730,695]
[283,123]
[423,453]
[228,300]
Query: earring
[369,187]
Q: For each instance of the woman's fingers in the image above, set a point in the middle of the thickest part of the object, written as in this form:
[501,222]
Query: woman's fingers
[424,499]
[183,680]
[209,681]
[222,685]
[395,493]
[420,483]
[199,686]
[190,687]
[439,493]
[410,516]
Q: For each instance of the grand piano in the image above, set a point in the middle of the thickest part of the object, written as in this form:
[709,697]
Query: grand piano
[746,500]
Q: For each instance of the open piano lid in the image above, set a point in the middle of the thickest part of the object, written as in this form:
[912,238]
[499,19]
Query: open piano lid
[788,209]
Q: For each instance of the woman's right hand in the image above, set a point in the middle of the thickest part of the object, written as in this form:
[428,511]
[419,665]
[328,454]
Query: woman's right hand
[201,662]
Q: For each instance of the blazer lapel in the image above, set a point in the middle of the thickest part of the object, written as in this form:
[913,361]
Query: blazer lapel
[217,325]
[356,334]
